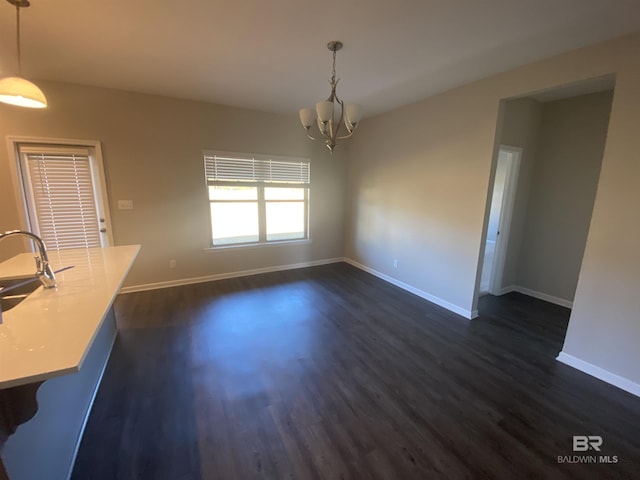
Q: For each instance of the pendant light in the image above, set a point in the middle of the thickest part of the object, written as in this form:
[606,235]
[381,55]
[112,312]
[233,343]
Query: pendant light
[17,90]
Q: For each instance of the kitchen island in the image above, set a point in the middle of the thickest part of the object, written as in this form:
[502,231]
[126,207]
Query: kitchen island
[62,337]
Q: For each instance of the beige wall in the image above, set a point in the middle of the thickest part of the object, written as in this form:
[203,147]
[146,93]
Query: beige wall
[605,325]
[418,179]
[520,128]
[563,189]
[152,149]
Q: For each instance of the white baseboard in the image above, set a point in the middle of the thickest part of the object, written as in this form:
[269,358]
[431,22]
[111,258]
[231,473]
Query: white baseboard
[600,373]
[243,273]
[427,296]
[222,276]
[505,290]
[535,294]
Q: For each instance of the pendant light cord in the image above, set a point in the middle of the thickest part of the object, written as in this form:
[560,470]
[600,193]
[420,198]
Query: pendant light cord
[18,40]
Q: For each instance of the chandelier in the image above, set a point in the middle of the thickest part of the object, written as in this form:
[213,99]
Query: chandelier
[17,90]
[329,118]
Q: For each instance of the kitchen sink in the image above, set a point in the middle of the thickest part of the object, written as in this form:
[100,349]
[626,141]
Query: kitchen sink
[15,290]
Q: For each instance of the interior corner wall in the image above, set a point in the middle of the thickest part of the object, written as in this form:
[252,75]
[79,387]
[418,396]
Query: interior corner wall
[563,188]
[520,128]
[418,182]
[419,177]
[604,327]
[152,149]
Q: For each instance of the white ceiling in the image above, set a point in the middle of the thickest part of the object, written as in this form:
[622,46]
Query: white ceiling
[271,55]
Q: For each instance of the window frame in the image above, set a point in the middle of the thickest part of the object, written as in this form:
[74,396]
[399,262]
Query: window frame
[261,201]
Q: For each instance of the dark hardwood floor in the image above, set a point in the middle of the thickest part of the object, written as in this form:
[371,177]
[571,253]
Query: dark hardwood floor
[329,372]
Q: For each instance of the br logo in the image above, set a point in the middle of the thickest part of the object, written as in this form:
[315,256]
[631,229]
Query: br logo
[583,443]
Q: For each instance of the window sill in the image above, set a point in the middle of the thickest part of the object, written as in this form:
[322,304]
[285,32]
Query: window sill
[258,245]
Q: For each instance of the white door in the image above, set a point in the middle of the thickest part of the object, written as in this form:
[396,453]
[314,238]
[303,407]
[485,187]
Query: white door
[501,212]
[63,192]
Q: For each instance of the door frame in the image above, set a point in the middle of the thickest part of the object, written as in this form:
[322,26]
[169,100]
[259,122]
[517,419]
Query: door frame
[506,217]
[97,173]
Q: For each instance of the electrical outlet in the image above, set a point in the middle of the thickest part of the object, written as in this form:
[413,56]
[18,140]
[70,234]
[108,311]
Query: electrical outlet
[172,263]
[125,204]
[396,263]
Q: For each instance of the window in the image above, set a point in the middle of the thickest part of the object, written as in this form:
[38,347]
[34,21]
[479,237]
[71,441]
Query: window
[61,188]
[257,200]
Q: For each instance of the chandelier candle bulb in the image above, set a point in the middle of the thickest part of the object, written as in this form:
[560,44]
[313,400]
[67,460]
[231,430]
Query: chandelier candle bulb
[325,111]
[307,117]
[322,126]
[354,115]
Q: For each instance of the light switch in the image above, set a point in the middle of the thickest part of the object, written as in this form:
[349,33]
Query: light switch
[125,204]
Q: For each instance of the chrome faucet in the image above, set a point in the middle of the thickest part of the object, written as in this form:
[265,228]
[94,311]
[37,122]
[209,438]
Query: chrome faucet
[43,269]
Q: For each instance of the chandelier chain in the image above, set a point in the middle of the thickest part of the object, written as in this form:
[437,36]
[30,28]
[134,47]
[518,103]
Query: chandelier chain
[333,72]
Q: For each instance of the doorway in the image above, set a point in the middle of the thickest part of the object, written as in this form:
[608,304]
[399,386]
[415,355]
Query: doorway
[562,134]
[500,215]
[62,191]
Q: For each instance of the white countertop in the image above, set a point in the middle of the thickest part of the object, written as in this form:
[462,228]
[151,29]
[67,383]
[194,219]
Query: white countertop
[49,333]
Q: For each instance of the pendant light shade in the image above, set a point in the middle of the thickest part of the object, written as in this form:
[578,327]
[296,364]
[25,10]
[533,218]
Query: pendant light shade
[21,92]
[17,90]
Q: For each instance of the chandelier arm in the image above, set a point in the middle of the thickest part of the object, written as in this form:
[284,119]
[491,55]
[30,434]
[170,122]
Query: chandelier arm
[350,134]
[341,120]
[324,137]
[334,129]
[313,138]
[332,132]
[330,142]
[328,133]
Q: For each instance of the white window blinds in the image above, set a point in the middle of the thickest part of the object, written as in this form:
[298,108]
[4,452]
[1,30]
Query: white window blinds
[247,169]
[62,200]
